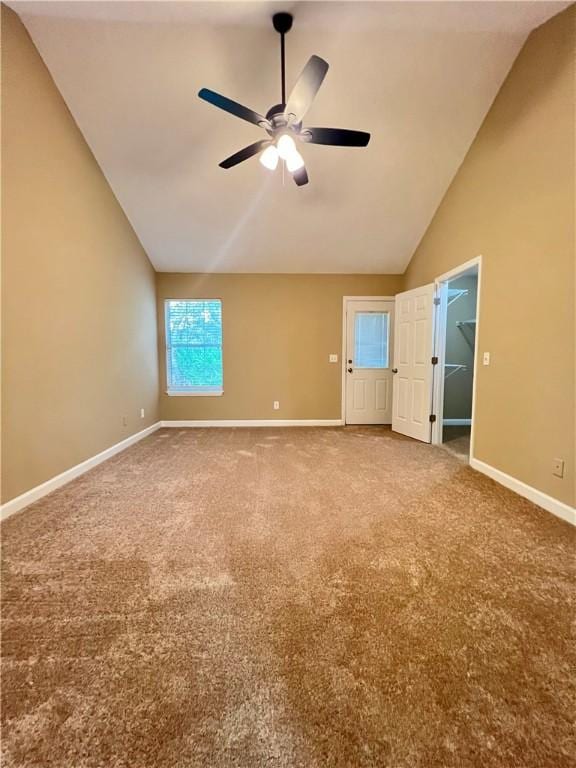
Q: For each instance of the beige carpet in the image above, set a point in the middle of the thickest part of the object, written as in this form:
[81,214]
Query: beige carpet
[311,598]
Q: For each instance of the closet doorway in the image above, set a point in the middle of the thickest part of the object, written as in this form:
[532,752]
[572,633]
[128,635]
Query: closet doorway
[456,329]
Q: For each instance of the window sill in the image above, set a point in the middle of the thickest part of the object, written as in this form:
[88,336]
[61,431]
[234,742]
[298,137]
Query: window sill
[195,393]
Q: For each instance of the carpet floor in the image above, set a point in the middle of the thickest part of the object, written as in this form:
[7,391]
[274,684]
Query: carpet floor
[287,598]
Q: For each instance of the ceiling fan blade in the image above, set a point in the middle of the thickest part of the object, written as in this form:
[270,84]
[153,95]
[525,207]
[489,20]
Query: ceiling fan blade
[301,176]
[244,154]
[232,107]
[306,88]
[340,137]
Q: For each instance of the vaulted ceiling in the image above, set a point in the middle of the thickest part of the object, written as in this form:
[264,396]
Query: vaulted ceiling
[420,76]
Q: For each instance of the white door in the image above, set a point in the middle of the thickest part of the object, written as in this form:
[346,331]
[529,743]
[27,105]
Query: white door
[369,335]
[413,369]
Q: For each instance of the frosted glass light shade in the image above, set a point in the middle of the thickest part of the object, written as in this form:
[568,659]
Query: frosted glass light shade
[294,161]
[269,158]
[286,146]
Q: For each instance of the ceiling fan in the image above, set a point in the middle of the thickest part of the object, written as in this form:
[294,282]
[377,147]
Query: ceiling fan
[283,122]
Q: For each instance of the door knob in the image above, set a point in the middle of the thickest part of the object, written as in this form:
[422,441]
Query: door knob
[394,370]
[349,370]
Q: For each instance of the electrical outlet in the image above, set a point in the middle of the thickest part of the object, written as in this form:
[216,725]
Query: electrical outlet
[486,358]
[276,405]
[332,358]
[141,413]
[558,467]
[124,421]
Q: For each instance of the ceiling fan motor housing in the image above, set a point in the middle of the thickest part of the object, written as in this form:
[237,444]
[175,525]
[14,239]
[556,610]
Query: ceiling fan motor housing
[276,116]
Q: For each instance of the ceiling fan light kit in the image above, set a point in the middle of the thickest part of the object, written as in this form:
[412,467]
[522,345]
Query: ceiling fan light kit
[283,122]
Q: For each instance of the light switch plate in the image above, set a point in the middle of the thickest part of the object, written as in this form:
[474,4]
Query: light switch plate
[486,358]
[333,358]
[276,405]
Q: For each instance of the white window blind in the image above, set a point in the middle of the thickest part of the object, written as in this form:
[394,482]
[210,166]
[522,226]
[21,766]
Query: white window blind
[194,346]
[371,340]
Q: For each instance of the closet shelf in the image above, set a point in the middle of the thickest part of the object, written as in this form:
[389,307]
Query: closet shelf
[455,293]
[454,368]
[460,323]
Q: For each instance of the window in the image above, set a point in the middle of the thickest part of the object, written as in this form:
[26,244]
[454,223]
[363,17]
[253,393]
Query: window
[371,340]
[194,346]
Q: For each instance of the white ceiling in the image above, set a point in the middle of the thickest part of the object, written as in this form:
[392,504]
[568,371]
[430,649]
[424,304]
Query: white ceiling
[420,76]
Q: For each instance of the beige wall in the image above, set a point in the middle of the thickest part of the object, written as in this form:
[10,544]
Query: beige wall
[460,343]
[278,331]
[78,303]
[513,201]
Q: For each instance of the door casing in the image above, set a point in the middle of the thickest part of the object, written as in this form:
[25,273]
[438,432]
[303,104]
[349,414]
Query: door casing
[441,285]
[345,300]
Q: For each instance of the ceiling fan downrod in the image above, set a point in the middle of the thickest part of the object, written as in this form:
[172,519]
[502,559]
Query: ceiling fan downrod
[282,24]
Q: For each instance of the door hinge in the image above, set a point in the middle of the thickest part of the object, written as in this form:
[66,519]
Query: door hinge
[434,360]
[432,418]
[437,301]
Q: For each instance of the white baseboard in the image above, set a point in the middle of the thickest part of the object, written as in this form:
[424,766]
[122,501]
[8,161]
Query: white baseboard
[548,503]
[25,499]
[256,423]
[457,422]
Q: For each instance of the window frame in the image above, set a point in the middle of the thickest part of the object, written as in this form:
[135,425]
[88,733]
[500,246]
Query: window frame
[200,391]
